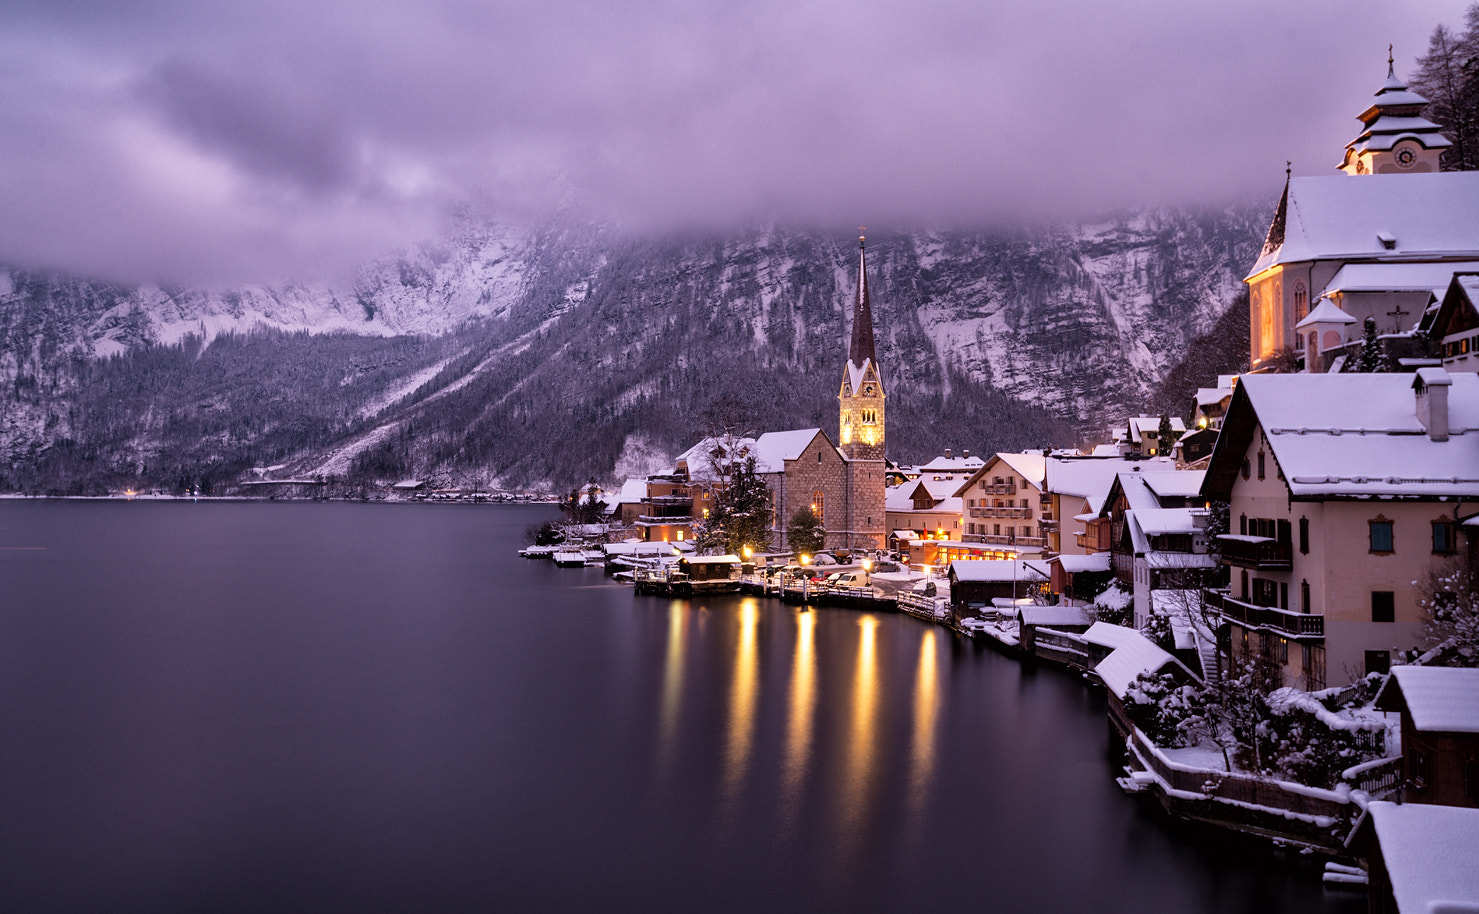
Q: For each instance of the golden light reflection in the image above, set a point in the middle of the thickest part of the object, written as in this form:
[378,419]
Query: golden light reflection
[861,747]
[926,714]
[672,685]
[743,699]
[799,708]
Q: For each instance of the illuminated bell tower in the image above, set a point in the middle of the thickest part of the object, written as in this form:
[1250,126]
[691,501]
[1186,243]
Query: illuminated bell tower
[860,402]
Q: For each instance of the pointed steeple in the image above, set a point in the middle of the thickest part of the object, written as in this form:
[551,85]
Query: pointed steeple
[1275,237]
[861,349]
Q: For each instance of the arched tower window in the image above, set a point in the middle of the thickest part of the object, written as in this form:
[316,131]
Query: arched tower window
[1301,301]
[819,506]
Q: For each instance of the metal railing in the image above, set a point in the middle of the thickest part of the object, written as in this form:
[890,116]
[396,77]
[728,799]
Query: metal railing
[1001,539]
[1262,554]
[1297,625]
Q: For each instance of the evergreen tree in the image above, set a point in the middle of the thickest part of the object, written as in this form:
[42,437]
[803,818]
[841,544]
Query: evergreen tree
[740,517]
[1371,358]
[1165,436]
[805,533]
[1448,76]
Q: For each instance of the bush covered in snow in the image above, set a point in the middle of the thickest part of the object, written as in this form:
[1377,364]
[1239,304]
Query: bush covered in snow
[1114,606]
[1286,733]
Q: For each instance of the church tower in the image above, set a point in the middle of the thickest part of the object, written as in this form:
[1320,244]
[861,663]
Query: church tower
[860,424]
[1395,138]
[860,402]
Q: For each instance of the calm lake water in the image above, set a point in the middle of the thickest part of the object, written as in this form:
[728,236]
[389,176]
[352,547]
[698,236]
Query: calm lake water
[254,707]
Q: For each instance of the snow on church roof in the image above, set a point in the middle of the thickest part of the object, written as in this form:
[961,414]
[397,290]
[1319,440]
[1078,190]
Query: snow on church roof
[1339,217]
[1355,435]
[773,449]
[1397,277]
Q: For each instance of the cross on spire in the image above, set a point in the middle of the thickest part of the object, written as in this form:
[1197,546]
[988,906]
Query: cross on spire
[1391,62]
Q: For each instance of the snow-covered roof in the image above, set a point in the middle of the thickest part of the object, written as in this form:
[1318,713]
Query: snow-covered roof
[1134,655]
[999,571]
[1074,564]
[1089,478]
[1030,467]
[1173,483]
[1429,852]
[1337,218]
[1397,277]
[1163,521]
[773,449]
[712,560]
[1106,635]
[708,455]
[1104,450]
[1326,312]
[939,486]
[1207,396]
[1440,699]
[942,464]
[1160,561]
[1140,426]
[1358,434]
[632,491]
[1054,616]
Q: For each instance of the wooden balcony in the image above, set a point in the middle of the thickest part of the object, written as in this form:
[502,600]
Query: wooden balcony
[1023,513]
[1000,488]
[1022,542]
[1304,626]
[1256,552]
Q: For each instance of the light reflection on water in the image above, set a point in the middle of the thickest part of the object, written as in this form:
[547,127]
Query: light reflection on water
[800,705]
[743,697]
[262,707]
[922,746]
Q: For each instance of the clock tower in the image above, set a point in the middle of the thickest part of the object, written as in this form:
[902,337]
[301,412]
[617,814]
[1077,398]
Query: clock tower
[1395,138]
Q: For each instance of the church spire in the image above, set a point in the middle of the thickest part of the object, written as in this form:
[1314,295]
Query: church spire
[862,315]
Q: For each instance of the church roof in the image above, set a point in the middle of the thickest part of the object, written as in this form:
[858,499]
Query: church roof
[1338,217]
[773,449]
[1397,277]
[861,349]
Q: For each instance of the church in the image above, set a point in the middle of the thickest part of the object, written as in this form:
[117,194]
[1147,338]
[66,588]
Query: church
[1384,239]
[842,484]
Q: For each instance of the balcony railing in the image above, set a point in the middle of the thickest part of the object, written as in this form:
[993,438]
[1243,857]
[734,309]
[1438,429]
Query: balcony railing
[1256,552]
[1000,488]
[658,500]
[1295,625]
[1001,539]
[1001,512]
[663,519]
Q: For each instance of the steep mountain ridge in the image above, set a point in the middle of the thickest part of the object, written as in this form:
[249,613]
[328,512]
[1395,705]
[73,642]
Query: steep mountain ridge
[554,354]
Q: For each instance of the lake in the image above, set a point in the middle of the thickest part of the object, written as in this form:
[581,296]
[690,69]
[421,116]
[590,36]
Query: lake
[343,707]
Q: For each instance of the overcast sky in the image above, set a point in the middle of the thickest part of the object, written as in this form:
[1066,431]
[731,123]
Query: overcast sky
[169,140]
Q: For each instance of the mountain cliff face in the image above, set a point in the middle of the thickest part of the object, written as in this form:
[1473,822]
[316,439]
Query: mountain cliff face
[517,357]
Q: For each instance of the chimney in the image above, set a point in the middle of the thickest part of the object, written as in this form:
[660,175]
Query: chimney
[947,453]
[965,454]
[1431,388]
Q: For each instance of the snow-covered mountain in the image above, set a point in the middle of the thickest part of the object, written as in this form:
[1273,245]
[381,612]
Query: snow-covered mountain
[563,352]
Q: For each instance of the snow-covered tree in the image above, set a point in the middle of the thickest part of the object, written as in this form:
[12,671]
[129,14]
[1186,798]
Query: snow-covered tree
[1373,354]
[740,516]
[804,532]
[1450,599]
